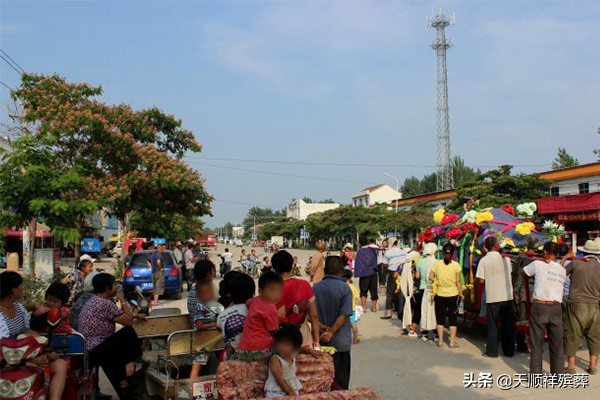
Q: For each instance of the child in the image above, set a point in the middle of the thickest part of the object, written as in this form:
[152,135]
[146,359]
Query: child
[53,366]
[355,307]
[231,321]
[57,296]
[204,317]
[265,265]
[282,380]
[261,322]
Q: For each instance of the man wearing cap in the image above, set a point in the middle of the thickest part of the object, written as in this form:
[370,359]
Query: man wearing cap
[582,317]
[546,310]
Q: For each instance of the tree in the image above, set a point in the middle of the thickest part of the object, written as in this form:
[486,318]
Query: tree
[497,187]
[414,186]
[564,160]
[260,216]
[123,160]
[171,226]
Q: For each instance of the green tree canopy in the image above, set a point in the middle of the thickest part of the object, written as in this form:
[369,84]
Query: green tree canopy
[564,160]
[261,216]
[497,187]
[91,155]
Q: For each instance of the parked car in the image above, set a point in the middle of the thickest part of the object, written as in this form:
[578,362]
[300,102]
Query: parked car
[138,273]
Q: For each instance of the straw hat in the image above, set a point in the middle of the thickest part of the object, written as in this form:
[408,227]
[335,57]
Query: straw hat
[590,247]
[348,246]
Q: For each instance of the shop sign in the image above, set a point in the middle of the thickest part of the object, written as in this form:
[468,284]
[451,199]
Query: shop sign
[578,217]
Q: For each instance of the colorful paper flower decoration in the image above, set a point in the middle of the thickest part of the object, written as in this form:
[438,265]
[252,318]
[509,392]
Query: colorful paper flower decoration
[508,208]
[525,228]
[439,215]
[483,216]
[469,227]
[449,218]
[426,236]
[470,216]
[527,209]
[454,233]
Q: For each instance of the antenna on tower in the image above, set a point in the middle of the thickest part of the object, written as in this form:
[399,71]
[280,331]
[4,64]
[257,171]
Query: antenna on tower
[445,176]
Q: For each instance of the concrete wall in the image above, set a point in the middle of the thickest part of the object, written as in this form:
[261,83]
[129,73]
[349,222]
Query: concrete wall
[571,186]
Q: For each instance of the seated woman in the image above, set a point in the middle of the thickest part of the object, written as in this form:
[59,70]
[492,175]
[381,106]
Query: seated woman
[14,321]
[203,270]
[118,353]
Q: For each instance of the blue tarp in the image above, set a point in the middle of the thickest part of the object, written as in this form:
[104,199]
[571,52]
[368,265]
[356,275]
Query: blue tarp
[90,245]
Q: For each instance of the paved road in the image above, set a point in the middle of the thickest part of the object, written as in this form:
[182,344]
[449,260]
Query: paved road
[400,367]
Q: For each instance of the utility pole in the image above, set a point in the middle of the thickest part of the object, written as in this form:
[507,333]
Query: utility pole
[397,186]
[445,176]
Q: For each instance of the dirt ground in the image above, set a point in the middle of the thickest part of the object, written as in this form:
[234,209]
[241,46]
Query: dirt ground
[400,367]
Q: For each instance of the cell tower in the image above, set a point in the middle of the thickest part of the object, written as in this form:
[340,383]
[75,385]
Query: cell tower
[445,177]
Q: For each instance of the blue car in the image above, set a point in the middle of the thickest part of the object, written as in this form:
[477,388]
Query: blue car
[138,273]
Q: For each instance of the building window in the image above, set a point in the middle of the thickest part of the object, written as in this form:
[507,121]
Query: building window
[584,187]
[554,191]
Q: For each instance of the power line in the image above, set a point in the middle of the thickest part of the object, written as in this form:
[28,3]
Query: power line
[14,62]
[334,164]
[283,174]
[5,85]
[10,65]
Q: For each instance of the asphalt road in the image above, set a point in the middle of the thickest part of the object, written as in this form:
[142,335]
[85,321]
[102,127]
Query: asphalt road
[400,367]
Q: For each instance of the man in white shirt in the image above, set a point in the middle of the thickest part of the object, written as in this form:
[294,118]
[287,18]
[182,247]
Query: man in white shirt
[177,253]
[227,258]
[381,270]
[546,310]
[188,264]
[393,259]
[495,271]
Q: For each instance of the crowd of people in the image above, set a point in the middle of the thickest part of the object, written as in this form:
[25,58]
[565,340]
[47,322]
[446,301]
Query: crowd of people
[427,292]
[289,315]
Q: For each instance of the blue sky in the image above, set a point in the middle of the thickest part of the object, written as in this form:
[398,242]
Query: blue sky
[341,82]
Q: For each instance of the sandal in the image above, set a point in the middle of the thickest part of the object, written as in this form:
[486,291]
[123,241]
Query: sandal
[440,344]
[386,317]
[453,345]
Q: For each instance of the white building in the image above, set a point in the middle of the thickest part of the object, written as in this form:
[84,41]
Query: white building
[380,194]
[299,209]
[237,231]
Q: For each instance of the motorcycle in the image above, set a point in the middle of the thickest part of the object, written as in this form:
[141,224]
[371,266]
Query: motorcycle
[19,380]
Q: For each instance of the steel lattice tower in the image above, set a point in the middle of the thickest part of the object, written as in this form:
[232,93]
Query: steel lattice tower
[445,177]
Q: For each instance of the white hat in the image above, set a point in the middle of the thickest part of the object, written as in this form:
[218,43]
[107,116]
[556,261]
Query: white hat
[348,246]
[86,257]
[590,247]
[429,249]
[412,256]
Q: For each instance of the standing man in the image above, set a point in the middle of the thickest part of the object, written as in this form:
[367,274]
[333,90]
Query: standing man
[158,272]
[365,268]
[177,253]
[582,318]
[393,260]
[546,310]
[382,271]
[189,260]
[317,263]
[495,271]
[227,258]
[334,306]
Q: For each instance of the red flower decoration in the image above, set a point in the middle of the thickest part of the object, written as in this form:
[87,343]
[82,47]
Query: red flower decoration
[469,227]
[508,208]
[449,218]
[426,236]
[454,233]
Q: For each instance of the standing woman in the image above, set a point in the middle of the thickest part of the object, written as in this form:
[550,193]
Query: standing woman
[427,304]
[449,290]
[74,279]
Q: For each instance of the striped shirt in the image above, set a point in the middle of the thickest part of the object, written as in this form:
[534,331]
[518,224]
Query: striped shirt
[12,327]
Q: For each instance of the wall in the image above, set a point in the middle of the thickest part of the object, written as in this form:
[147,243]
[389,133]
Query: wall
[299,210]
[571,186]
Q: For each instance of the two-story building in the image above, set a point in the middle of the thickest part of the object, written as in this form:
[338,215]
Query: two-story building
[299,209]
[380,194]
[575,199]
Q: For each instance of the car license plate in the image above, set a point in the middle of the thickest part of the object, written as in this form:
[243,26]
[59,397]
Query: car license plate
[147,285]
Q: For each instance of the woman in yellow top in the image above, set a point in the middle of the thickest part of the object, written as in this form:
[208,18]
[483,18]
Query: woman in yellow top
[449,289]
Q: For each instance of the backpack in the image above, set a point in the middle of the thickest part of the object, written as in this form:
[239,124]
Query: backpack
[365,262]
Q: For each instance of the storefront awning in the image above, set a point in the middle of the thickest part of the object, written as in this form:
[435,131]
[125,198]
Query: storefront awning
[42,231]
[569,204]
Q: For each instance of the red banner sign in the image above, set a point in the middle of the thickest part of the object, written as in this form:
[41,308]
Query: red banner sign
[579,216]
